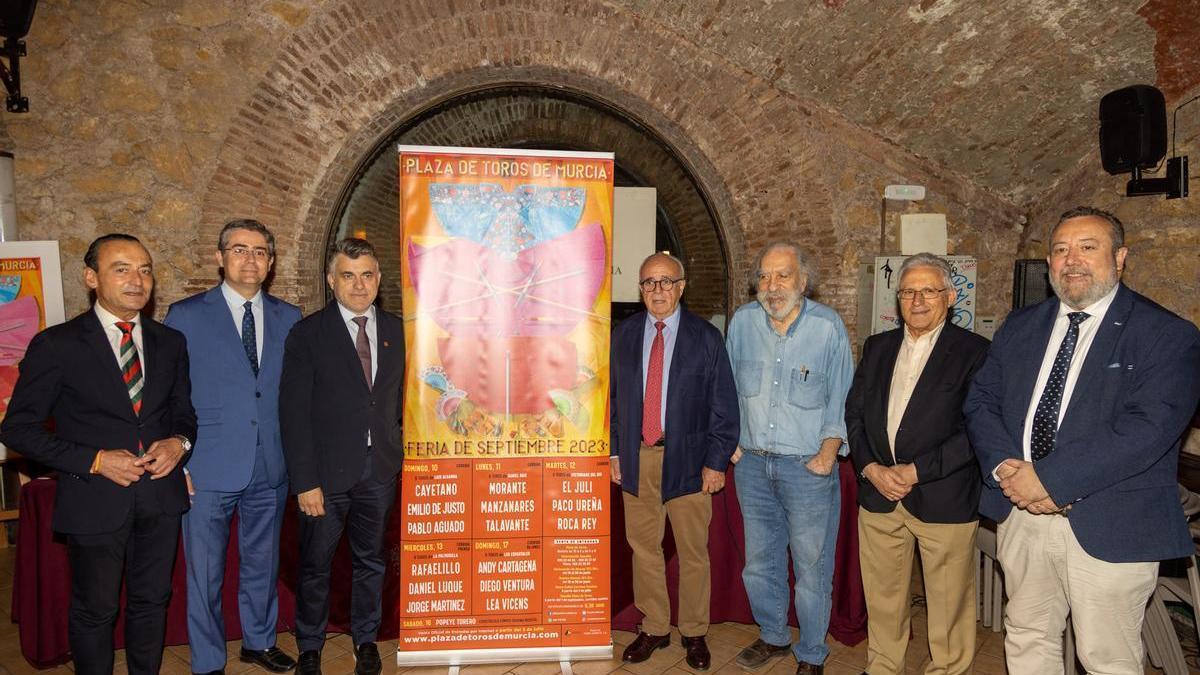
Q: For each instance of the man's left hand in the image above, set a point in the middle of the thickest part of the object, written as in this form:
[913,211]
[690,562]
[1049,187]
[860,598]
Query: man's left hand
[1043,506]
[161,457]
[822,463]
[1023,487]
[711,481]
[906,473]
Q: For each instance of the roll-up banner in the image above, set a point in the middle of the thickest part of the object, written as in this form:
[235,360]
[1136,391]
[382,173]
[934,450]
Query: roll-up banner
[504,552]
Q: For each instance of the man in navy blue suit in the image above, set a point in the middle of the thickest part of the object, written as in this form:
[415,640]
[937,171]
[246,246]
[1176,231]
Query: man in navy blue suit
[1076,418]
[674,417]
[235,335]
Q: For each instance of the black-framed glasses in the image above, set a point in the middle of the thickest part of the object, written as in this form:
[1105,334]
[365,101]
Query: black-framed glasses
[665,284]
[245,252]
[926,293]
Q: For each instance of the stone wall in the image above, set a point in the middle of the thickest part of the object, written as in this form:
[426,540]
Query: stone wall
[166,119]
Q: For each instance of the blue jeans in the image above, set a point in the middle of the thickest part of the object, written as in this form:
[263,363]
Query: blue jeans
[786,505]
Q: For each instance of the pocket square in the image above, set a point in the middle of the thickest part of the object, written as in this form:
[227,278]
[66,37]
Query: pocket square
[1113,365]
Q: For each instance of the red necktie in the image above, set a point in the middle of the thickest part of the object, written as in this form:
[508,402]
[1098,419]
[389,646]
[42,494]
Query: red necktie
[652,429]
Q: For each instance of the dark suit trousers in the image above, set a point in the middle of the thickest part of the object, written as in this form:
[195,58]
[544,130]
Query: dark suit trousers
[143,551]
[365,508]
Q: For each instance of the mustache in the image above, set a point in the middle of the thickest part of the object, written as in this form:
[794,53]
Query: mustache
[1075,270]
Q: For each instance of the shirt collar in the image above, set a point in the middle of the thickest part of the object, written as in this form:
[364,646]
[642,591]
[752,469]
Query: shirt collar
[235,299]
[347,315]
[1097,308]
[107,318]
[672,321]
[928,338]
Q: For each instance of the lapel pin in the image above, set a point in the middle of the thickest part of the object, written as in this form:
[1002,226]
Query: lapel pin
[386,343]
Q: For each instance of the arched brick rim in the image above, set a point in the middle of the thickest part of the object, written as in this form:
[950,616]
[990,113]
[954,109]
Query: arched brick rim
[337,183]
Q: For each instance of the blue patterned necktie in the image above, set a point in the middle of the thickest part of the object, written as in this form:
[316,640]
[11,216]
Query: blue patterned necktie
[249,337]
[1045,417]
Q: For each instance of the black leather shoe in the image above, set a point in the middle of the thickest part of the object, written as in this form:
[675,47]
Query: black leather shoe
[271,658]
[697,652]
[309,663]
[367,661]
[643,646]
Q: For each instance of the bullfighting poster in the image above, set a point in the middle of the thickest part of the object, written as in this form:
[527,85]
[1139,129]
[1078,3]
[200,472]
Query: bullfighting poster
[504,552]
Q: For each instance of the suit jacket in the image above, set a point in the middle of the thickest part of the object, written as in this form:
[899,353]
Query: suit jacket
[701,426]
[932,433]
[326,407]
[1117,450]
[70,375]
[234,409]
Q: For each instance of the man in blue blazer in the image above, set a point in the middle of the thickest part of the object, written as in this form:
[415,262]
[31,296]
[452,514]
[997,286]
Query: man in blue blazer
[235,335]
[1076,418]
[674,417]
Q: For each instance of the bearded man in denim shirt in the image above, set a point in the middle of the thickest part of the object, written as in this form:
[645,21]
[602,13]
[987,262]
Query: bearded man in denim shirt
[792,364]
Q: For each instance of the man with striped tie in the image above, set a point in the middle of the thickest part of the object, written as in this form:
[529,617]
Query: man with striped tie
[115,384]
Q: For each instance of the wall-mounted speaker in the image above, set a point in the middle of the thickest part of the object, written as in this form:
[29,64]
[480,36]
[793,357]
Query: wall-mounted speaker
[1133,129]
[1031,283]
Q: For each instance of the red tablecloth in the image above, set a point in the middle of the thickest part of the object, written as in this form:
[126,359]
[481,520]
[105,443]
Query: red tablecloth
[41,580]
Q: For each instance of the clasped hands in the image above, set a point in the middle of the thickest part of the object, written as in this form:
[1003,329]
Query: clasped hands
[893,482]
[125,468]
[1021,485]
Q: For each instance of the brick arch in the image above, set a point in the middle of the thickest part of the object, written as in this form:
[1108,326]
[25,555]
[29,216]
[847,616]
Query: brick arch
[510,117]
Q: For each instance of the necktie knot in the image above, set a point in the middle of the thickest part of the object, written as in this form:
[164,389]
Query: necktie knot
[126,327]
[660,326]
[1077,318]
[248,306]
[361,321]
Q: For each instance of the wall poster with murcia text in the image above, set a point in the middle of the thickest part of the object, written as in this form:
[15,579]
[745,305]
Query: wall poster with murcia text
[504,547]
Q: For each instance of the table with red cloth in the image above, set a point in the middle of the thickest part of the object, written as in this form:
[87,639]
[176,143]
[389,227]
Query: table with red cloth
[41,579]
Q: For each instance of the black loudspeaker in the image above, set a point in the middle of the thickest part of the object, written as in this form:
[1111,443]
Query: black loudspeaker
[1031,283]
[1133,129]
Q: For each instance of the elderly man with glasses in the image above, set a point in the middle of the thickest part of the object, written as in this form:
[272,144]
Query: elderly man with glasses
[918,480]
[674,419]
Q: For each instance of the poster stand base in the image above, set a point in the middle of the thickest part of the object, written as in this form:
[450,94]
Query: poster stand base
[462,657]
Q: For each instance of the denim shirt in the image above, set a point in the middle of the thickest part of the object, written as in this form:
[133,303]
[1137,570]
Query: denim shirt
[791,388]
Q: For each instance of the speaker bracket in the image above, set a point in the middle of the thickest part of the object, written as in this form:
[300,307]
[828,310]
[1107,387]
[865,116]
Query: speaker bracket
[1174,186]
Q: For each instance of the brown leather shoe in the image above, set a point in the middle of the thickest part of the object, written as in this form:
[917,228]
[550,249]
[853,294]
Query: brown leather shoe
[697,652]
[758,653]
[641,648]
[810,669]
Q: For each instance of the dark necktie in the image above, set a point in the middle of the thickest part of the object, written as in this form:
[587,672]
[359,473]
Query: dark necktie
[652,429]
[249,337]
[1045,416]
[362,345]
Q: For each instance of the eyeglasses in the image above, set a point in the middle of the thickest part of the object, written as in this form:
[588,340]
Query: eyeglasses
[666,284]
[245,252]
[926,293]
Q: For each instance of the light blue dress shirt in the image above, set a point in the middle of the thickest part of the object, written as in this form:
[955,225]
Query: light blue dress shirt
[670,332]
[791,388]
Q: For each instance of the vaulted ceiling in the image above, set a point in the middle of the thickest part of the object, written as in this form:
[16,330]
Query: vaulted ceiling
[1003,92]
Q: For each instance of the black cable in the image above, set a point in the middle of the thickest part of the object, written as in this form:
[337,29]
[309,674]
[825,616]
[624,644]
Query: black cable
[1175,123]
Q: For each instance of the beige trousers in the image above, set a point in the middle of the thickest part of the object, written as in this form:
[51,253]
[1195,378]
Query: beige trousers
[885,551]
[645,523]
[1047,575]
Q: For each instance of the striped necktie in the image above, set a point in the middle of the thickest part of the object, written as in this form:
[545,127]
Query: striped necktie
[131,365]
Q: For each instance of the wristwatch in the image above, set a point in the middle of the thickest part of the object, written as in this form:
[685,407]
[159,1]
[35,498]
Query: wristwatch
[187,445]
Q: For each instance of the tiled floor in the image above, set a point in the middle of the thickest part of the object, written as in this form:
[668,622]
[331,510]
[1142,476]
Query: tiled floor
[724,640]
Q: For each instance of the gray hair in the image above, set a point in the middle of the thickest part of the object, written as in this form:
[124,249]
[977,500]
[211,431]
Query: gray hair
[663,254]
[927,260]
[1116,229]
[804,266]
[352,248]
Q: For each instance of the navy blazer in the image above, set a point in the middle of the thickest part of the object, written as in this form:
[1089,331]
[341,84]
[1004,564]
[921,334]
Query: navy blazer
[1117,450]
[234,409]
[932,433]
[702,410]
[70,374]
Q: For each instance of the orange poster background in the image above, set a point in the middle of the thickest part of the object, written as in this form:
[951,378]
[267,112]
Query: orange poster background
[22,315]
[506,261]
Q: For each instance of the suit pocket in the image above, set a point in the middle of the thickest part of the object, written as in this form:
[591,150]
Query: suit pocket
[749,378]
[208,416]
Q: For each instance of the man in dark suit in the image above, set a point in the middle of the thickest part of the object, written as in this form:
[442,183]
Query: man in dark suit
[340,399]
[674,418]
[115,384]
[918,479]
[235,335]
[1076,418]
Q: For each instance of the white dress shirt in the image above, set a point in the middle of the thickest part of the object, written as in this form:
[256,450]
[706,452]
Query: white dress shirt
[372,333]
[1087,333]
[910,362]
[237,309]
[108,321]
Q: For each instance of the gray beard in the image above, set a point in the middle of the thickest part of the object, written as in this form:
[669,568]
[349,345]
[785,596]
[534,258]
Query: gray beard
[1091,294]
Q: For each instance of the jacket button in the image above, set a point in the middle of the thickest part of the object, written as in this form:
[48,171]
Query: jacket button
[253,423]
[258,394]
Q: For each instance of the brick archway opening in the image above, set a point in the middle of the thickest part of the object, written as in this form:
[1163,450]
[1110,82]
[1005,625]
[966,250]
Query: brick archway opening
[531,116]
